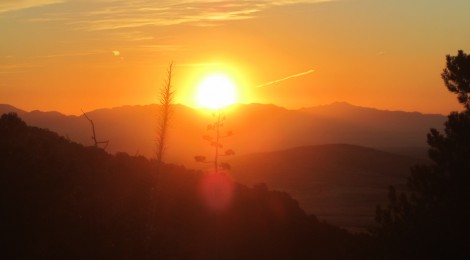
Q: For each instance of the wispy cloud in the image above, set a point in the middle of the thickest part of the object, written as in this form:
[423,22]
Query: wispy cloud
[286,78]
[16,68]
[101,15]
[158,47]
[210,64]
[122,15]
[14,5]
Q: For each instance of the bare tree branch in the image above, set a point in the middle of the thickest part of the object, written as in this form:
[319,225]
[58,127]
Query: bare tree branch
[96,142]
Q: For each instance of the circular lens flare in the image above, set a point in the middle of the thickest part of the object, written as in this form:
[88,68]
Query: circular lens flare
[217,191]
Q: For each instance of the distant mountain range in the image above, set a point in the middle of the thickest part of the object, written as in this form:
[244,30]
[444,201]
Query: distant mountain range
[256,128]
[340,183]
[317,154]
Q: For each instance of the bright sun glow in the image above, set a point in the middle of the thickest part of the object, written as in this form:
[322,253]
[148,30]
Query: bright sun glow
[216,91]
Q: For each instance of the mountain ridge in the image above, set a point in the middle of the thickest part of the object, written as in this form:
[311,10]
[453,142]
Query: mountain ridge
[7,107]
[343,104]
[256,128]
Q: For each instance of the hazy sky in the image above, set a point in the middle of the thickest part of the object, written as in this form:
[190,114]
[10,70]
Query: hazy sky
[67,55]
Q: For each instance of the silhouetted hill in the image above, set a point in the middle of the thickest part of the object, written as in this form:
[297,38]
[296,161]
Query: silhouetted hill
[4,108]
[61,200]
[256,128]
[394,131]
[340,183]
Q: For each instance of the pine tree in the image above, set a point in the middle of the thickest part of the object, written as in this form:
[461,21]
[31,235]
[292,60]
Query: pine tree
[430,220]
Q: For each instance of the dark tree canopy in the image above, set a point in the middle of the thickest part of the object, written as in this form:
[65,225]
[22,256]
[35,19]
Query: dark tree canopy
[456,76]
[430,219]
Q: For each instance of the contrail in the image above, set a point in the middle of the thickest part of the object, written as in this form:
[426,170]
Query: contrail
[286,78]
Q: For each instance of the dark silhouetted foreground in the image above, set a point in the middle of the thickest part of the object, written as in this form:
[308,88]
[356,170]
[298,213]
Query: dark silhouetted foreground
[431,220]
[60,200]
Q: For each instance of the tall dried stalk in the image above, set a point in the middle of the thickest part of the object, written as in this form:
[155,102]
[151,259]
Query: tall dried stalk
[166,111]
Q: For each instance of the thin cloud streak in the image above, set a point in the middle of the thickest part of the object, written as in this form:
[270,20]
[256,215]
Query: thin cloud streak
[71,54]
[286,78]
[198,64]
[165,18]
[15,5]
[100,15]
[17,68]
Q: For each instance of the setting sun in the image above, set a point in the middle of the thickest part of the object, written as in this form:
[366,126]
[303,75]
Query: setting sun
[216,91]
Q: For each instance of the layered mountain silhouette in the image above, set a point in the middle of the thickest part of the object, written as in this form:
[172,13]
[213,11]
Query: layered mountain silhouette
[256,128]
[340,183]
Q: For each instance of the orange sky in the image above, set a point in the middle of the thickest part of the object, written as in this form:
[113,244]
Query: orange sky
[67,55]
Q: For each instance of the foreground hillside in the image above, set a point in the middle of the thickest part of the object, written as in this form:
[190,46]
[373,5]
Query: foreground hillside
[256,128]
[61,200]
[340,183]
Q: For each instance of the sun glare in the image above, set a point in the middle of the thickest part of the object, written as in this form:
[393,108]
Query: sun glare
[216,91]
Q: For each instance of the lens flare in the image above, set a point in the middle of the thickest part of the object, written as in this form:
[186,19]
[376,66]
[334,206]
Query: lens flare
[216,190]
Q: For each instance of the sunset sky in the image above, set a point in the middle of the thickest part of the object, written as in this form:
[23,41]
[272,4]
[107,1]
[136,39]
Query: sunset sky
[68,55]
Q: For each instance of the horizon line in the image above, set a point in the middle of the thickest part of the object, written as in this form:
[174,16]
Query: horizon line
[200,108]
